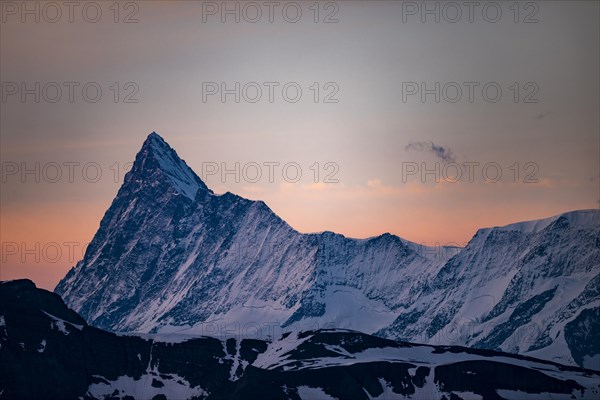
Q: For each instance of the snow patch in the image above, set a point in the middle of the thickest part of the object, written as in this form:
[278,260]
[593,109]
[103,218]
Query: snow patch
[61,325]
[592,362]
[276,353]
[173,387]
[518,395]
[313,393]
[42,346]
[388,393]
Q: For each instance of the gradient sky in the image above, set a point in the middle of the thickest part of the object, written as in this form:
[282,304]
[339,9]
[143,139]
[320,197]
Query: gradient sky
[370,134]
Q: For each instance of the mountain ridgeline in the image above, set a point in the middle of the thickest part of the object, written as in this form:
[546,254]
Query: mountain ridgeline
[47,351]
[172,256]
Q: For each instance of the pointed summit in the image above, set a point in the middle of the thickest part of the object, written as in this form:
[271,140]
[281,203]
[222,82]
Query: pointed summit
[154,135]
[155,141]
[157,159]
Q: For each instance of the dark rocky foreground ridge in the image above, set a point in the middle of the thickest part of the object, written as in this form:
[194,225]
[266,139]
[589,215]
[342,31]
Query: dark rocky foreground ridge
[47,351]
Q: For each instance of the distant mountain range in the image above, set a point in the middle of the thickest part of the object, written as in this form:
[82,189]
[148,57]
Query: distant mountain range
[172,256]
[48,351]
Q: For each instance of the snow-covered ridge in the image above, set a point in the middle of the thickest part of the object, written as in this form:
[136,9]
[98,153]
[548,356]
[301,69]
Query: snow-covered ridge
[583,219]
[202,264]
[184,180]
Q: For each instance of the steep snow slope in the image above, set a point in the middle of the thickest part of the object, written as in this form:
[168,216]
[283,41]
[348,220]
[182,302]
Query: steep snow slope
[517,288]
[171,256]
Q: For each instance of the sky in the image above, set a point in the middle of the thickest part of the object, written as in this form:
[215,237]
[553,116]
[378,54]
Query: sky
[354,117]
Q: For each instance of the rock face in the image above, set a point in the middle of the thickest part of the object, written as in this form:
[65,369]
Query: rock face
[48,351]
[530,288]
[170,255]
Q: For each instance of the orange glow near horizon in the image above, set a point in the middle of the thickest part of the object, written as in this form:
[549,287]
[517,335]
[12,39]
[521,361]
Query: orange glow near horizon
[369,130]
[43,243]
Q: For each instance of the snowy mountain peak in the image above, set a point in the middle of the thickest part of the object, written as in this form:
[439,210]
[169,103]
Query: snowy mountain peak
[153,136]
[161,262]
[583,219]
[157,159]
